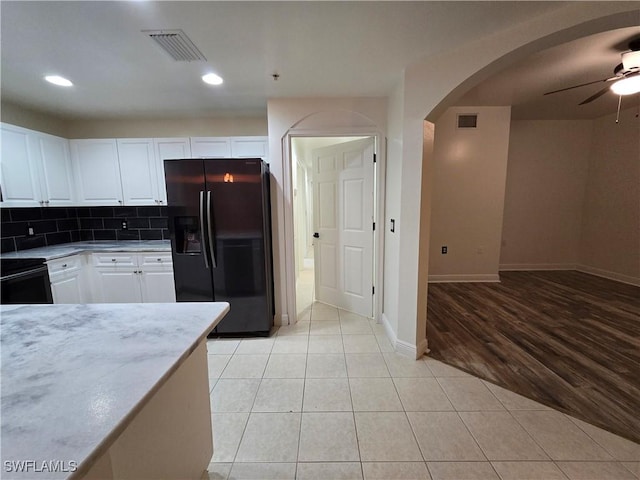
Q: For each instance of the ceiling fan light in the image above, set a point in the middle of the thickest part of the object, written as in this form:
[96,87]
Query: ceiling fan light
[627,86]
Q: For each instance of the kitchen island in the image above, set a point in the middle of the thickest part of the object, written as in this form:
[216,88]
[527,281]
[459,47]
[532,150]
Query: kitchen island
[106,390]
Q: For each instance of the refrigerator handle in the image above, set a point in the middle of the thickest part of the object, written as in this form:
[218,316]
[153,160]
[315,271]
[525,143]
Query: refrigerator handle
[203,236]
[210,230]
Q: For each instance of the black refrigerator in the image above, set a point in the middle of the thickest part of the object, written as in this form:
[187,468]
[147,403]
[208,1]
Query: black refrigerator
[220,224]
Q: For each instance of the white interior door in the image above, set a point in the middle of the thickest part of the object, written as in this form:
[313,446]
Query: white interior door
[343,219]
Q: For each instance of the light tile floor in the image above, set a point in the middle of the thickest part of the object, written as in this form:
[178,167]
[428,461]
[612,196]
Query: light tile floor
[328,399]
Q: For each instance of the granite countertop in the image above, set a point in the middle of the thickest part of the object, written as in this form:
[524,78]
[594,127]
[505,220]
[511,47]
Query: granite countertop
[66,249]
[71,374]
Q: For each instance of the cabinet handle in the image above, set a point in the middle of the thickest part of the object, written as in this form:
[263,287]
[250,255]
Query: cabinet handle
[159,259]
[160,201]
[64,265]
[119,201]
[47,202]
[113,259]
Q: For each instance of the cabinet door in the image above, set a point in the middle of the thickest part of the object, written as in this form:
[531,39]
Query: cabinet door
[138,171]
[157,286]
[168,148]
[250,147]
[18,168]
[97,172]
[117,286]
[67,288]
[211,147]
[56,177]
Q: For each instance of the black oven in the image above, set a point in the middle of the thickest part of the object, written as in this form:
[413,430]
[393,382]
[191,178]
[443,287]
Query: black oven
[24,281]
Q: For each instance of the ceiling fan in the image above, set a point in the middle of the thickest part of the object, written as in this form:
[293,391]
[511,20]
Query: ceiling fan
[626,76]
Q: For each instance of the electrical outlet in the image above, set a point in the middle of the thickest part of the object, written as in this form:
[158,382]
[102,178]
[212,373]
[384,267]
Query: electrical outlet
[30,231]
[125,226]
[444,250]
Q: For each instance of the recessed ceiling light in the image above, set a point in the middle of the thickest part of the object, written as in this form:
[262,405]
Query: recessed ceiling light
[212,79]
[58,80]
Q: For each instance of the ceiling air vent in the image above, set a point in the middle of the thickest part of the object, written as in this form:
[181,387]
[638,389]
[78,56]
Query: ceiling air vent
[177,44]
[468,121]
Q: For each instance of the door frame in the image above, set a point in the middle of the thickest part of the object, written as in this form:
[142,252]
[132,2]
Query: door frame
[380,150]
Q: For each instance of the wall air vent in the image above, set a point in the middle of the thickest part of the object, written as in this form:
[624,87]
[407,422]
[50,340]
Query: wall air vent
[177,44]
[468,121]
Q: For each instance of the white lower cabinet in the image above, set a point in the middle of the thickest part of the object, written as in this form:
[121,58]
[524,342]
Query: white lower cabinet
[67,288]
[133,278]
[68,280]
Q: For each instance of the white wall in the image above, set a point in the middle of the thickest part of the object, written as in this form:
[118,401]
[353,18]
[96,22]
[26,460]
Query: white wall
[134,128]
[34,120]
[428,88]
[168,127]
[573,196]
[468,187]
[611,214]
[546,181]
[393,186]
[313,117]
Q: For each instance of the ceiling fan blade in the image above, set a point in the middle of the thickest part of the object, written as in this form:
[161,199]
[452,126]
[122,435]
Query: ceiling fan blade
[577,86]
[595,95]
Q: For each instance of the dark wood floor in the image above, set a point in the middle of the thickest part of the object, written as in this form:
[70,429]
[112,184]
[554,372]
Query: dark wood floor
[566,339]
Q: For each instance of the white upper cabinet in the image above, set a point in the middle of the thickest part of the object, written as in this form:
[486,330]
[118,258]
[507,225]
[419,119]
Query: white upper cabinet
[250,147]
[97,171]
[56,177]
[35,169]
[168,148]
[138,171]
[211,147]
[19,179]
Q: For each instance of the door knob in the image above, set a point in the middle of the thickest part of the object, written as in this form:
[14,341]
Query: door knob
[316,235]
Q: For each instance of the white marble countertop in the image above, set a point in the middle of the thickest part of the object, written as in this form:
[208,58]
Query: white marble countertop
[66,249]
[72,374]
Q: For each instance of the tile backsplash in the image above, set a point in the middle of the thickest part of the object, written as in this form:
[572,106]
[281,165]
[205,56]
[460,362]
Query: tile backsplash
[55,225]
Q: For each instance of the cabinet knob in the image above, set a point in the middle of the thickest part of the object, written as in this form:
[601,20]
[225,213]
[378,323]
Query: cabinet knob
[160,201]
[64,265]
[119,201]
[113,259]
[158,259]
[46,202]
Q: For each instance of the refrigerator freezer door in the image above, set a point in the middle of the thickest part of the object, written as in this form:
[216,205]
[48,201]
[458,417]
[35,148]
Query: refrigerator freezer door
[237,203]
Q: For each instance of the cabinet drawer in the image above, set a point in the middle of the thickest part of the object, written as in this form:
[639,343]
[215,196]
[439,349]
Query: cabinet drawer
[114,259]
[66,264]
[151,258]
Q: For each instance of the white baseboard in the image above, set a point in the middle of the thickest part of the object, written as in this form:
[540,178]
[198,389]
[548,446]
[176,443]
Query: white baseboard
[618,277]
[391,335]
[514,267]
[283,319]
[490,278]
[404,348]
